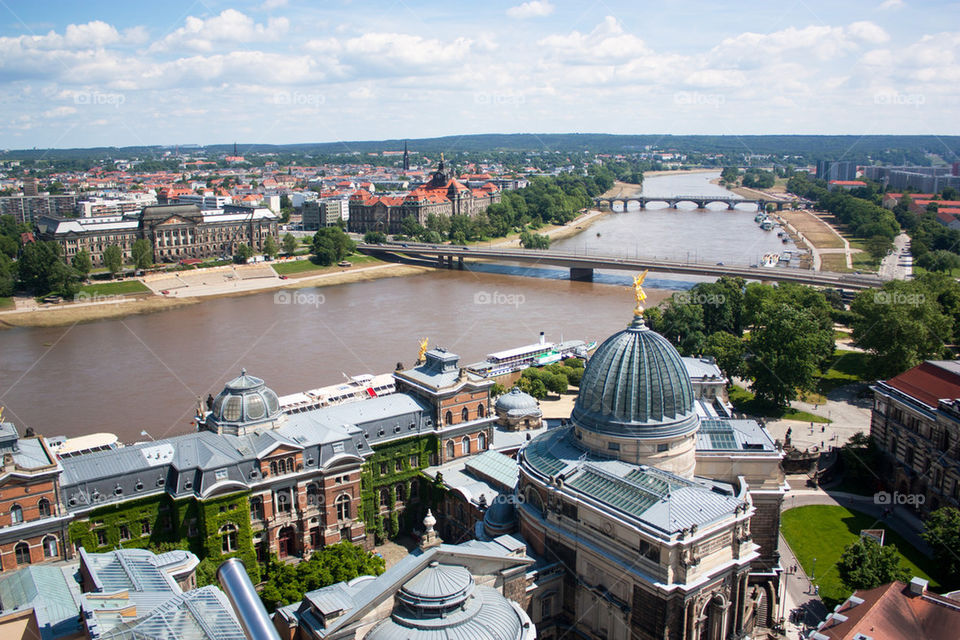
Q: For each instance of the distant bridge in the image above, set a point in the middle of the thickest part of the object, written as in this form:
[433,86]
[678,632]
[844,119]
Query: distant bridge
[581,265]
[700,201]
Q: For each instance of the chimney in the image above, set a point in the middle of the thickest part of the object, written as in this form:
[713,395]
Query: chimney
[542,338]
[918,586]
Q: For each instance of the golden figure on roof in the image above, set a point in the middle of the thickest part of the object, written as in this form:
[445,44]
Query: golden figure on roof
[638,292]
[423,350]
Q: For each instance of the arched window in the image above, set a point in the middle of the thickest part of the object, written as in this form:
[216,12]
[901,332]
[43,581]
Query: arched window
[482,441]
[16,514]
[228,538]
[464,415]
[384,498]
[343,507]
[414,489]
[480,410]
[465,445]
[22,553]
[290,466]
[313,495]
[273,468]
[450,450]
[282,466]
[401,494]
[50,547]
[448,417]
[43,506]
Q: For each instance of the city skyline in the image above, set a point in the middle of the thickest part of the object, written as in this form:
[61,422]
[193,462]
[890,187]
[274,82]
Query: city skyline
[285,72]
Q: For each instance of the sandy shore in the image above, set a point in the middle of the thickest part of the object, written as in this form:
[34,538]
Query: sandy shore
[54,316]
[558,232]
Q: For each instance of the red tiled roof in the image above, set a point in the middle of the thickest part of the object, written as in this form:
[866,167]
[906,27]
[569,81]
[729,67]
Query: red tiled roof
[928,383]
[891,612]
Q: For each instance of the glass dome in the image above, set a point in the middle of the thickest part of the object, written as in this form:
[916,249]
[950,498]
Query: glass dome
[244,400]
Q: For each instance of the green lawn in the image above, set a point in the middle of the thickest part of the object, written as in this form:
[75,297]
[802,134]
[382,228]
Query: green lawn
[306,266]
[744,401]
[6,302]
[823,531]
[121,288]
[847,367]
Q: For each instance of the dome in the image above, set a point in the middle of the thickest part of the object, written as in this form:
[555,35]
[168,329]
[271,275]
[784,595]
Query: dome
[443,601]
[636,385]
[516,402]
[244,400]
[500,517]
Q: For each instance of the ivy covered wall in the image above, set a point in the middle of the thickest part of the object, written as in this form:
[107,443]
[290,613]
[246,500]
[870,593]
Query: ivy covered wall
[160,523]
[389,466]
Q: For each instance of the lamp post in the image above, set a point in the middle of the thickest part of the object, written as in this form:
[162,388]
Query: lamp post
[814,575]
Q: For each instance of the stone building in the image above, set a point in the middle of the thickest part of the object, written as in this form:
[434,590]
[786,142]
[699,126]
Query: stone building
[518,411]
[915,423]
[33,525]
[623,503]
[442,195]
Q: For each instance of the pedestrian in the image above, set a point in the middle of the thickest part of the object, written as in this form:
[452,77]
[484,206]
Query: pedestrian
[823,428]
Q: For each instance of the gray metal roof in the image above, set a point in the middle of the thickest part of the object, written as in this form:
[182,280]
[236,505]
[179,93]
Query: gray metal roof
[648,496]
[439,370]
[724,434]
[201,614]
[636,384]
[518,403]
[51,591]
[494,466]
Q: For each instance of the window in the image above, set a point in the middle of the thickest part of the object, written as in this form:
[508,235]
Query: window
[480,410]
[448,417]
[221,474]
[465,445]
[398,465]
[228,538]
[482,442]
[144,527]
[273,468]
[282,466]
[401,494]
[283,502]
[338,447]
[22,551]
[50,547]
[383,468]
[232,410]
[256,508]
[118,490]
[414,462]
[101,537]
[124,532]
[384,498]
[613,446]
[343,507]
[16,514]
[43,507]
[662,447]
[313,495]
[464,415]
[450,450]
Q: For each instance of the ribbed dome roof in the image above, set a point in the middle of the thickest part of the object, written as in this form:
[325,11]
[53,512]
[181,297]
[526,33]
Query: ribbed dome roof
[245,399]
[438,587]
[636,384]
[518,402]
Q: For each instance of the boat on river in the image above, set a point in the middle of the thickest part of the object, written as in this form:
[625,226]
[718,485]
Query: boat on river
[538,354]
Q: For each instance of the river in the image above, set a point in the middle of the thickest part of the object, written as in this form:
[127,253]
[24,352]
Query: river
[145,372]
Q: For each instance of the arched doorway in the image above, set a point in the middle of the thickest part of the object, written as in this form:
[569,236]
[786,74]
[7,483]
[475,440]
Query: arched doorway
[287,542]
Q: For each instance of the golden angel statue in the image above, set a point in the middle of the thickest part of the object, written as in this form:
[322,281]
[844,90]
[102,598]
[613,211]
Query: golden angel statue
[639,293]
[423,350]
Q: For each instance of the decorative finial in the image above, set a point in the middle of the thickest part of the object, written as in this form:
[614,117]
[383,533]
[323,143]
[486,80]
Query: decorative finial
[429,521]
[639,293]
[423,349]
[243,371]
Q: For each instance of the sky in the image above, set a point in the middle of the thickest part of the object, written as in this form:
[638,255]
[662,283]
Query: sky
[91,73]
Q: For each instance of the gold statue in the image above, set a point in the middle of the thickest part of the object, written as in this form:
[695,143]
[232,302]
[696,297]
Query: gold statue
[1,413]
[423,349]
[639,293]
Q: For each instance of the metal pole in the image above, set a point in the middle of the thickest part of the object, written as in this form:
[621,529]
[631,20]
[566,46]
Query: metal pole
[246,603]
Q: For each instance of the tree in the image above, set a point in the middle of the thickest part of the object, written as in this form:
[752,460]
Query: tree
[533,386]
[290,244]
[534,240]
[941,531]
[879,246]
[8,276]
[82,263]
[786,349]
[243,253]
[374,237]
[728,351]
[866,565]
[681,322]
[411,227]
[270,247]
[901,325]
[330,245]
[142,253]
[113,259]
[939,260]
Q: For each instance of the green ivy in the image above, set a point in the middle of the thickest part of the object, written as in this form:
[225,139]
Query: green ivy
[371,480]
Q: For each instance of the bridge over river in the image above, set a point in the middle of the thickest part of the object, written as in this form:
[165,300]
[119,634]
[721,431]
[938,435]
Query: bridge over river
[582,265]
[700,201]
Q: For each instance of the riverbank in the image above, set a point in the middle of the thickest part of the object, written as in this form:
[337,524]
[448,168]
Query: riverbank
[67,314]
[558,232]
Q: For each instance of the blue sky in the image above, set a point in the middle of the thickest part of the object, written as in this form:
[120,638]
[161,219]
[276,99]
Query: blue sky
[282,71]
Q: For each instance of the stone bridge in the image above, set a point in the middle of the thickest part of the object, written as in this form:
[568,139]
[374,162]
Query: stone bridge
[700,201]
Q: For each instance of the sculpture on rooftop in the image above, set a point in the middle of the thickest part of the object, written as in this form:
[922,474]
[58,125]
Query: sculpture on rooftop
[639,293]
[423,350]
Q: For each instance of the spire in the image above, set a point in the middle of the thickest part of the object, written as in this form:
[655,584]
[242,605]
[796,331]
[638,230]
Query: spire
[406,157]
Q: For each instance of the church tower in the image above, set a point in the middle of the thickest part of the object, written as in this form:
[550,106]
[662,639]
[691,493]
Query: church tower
[406,157]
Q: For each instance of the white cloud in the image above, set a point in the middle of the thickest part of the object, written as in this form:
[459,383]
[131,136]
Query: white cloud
[891,4]
[606,43]
[868,32]
[230,26]
[532,9]
[59,112]
[270,5]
